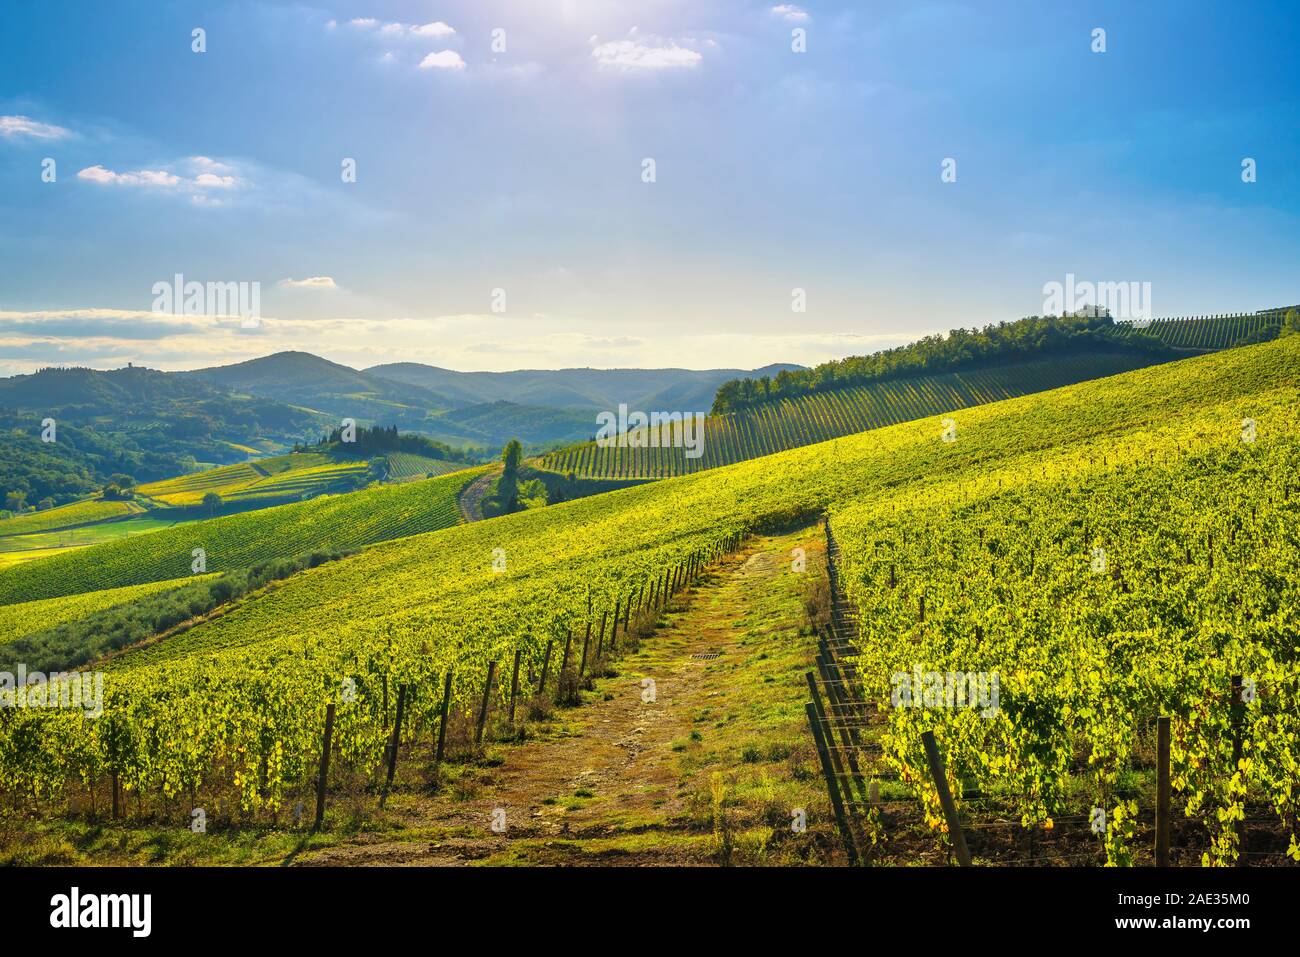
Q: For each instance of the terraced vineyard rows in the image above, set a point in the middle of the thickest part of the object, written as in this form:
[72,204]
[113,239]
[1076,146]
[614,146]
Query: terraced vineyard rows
[404,466]
[736,437]
[190,489]
[1209,333]
[304,482]
[246,692]
[237,541]
[232,480]
[1091,607]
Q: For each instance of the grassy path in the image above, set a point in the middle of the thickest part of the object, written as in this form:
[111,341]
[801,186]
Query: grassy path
[710,771]
[471,497]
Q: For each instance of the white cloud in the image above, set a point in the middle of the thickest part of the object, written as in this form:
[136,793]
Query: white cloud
[445,60]
[436,29]
[213,175]
[11,126]
[644,54]
[143,177]
[314,282]
[791,12]
[209,164]
[213,181]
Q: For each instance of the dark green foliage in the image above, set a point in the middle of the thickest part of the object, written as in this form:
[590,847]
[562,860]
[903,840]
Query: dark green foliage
[126,424]
[379,438]
[508,485]
[960,349]
[75,643]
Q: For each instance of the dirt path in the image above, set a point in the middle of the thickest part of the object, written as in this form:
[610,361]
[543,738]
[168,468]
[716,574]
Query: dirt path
[471,497]
[634,775]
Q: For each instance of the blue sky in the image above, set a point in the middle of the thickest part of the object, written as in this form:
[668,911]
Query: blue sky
[521,169]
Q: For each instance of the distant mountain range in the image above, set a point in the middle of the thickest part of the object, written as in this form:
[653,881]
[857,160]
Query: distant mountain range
[537,406]
[151,424]
[595,390]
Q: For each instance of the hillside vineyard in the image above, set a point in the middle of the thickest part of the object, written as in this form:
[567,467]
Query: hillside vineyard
[996,529]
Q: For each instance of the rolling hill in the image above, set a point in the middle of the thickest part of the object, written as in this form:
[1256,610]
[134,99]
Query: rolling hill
[237,541]
[253,683]
[139,422]
[970,367]
[789,423]
[307,381]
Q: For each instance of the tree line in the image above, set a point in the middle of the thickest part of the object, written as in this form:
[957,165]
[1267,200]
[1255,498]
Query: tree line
[381,438]
[960,349]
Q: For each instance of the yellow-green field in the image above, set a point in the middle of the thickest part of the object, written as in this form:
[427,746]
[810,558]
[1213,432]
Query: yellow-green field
[66,516]
[17,621]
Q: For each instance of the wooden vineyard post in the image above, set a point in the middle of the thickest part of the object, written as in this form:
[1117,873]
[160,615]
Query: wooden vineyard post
[613,628]
[1238,707]
[324,767]
[1238,717]
[514,686]
[586,640]
[832,786]
[112,774]
[564,660]
[393,742]
[1162,792]
[600,638]
[945,798]
[627,614]
[442,720]
[483,709]
[546,664]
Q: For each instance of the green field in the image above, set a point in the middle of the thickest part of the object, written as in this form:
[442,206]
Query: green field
[26,618]
[254,682]
[237,541]
[91,534]
[66,516]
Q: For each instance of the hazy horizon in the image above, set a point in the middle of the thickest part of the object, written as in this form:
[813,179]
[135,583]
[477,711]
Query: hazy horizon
[269,355]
